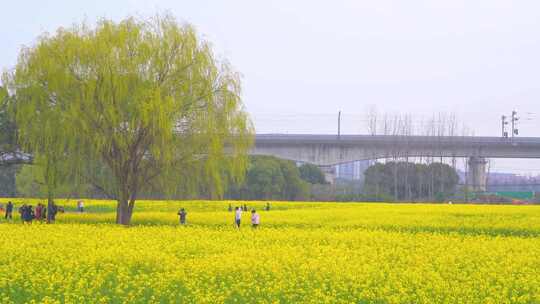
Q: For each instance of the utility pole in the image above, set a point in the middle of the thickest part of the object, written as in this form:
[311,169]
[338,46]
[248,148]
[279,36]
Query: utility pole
[503,125]
[514,121]
[339,124]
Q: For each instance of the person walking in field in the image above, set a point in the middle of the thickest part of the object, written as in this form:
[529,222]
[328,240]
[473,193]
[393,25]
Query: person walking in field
[27,214]
[22,210]
[9,211]
[39,211]
[80,206]
[255,219]
[230,208]
[31,214]
[238,216]
[52,209]
[267,208]
[182,214]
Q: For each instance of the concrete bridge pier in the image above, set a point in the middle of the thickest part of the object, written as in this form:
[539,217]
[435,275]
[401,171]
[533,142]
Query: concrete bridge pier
[329,173]
[477,169]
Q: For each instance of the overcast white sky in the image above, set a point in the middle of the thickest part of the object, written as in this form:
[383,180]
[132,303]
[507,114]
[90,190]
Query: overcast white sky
[303,61]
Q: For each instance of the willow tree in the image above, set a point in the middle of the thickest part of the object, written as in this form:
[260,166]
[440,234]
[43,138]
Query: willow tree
[143,103]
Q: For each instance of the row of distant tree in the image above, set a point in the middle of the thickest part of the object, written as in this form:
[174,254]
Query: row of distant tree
[266,177]
[271,178]
[411,181]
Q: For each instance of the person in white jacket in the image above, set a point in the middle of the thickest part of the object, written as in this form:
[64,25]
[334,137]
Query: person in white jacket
[255,219]
[238,216]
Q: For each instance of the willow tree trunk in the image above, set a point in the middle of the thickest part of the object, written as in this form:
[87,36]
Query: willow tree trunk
[124,210]
[50,199]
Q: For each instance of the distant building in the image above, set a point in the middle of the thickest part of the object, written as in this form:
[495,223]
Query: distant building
[353,170]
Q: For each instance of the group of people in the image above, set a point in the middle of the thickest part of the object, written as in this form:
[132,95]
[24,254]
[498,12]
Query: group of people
[255,217]
[245,207]
[29,213]
[41,212]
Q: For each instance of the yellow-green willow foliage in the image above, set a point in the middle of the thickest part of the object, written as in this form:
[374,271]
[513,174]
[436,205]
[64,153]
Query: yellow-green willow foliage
[144,103]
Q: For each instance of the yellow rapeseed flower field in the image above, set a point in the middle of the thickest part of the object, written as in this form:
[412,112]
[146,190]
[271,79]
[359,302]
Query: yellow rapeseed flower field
[301,253]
